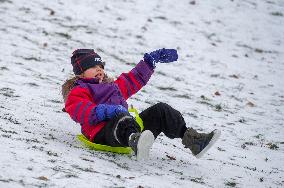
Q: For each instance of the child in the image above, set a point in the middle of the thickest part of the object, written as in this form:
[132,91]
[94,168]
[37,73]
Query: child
[99,104]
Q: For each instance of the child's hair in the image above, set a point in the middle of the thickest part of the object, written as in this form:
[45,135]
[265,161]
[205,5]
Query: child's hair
[67,86]
[70,83]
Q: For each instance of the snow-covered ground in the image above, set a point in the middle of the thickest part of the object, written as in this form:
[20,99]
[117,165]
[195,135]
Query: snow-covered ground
[229,76]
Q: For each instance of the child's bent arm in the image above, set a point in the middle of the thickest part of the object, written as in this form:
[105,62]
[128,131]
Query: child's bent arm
[131,82]
[80,107]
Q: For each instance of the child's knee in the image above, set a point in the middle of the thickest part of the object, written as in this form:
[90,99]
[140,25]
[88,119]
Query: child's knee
[162,105]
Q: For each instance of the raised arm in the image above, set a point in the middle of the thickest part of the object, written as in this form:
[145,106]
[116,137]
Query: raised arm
[131,82]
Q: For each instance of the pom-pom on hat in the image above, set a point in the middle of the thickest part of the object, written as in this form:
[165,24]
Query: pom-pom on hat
[83,59]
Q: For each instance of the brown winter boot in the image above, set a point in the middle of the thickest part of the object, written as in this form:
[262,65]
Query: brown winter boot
[199,143]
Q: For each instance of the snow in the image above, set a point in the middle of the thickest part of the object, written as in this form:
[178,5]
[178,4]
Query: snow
[229,76]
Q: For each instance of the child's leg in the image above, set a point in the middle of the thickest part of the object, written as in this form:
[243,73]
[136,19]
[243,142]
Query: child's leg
[162,117]
[115,133]
[124,131]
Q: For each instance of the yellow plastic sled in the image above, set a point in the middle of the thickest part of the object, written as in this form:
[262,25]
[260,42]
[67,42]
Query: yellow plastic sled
[121,150]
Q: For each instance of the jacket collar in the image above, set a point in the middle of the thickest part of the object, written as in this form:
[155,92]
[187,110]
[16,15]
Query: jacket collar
[87,81]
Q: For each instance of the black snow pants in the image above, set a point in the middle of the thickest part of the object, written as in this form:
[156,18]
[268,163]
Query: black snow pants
[158,118]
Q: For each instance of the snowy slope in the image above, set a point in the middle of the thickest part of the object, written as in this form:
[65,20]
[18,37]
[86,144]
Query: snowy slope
[229,76]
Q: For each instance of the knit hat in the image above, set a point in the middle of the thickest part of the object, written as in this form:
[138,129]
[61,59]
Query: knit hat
[83,59]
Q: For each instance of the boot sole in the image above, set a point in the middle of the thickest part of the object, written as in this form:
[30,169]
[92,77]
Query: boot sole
[217,134]
[144,145]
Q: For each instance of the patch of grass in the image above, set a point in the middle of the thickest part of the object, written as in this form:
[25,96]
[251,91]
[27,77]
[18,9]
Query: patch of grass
[161,17]
[174,171]
[32,84]
[207,103]
[64,35]
[6,136]
[204,98]
[4,68]
[276,13]
[71,176]
[171,157]
[50,153]
[259,136]
[272,146]
[249,143]
[6,180]
[55,101]
[185,96]
[10,119]
[32,59]
[218,107]
[8,131]
[191,115]
[8,92]
[258,50]
[231,184]
[161,73]
[5,1]
[167,88]
[197,180]
[250,168]
[90,169]
[215,75]
[242,120]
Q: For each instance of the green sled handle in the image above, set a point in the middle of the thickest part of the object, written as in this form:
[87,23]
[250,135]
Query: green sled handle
[113,149]
[135,114]
[100,147]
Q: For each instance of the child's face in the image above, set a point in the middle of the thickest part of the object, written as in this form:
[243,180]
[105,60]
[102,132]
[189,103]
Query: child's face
[94,72]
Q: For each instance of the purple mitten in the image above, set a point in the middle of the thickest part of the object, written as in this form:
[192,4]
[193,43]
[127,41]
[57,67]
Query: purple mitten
[161,55]
[106,111]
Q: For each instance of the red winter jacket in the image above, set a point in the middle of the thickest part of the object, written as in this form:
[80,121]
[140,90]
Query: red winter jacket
[88,93]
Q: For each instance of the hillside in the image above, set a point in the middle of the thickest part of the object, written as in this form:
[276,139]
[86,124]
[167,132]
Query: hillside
[229,76]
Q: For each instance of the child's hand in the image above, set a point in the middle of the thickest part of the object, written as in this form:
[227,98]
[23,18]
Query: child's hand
[161,55]
[106,111]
